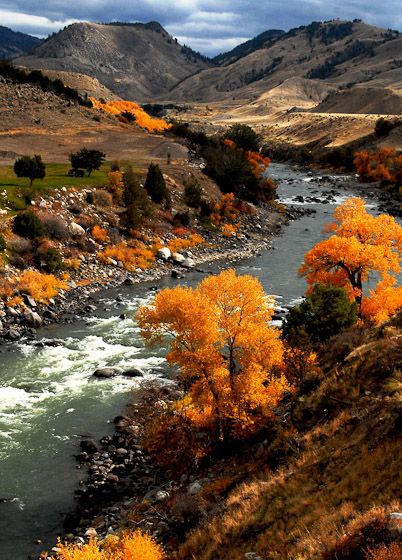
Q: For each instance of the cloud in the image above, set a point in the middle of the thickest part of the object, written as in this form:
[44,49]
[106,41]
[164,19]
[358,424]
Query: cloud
[206,25]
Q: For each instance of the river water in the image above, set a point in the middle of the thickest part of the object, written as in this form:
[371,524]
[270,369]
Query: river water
[49,400]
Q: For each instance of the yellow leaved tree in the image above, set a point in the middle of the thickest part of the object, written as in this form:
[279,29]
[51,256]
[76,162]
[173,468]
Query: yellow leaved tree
[364,247]
[229,357]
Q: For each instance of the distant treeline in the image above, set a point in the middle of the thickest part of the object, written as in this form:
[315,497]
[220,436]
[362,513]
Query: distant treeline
[36,77]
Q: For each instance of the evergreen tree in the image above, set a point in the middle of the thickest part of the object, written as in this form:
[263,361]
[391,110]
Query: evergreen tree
[156,187]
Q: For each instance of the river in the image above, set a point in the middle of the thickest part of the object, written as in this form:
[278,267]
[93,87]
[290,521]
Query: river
[48,399]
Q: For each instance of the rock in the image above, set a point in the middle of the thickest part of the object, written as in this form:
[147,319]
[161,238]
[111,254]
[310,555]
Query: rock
[129,282]
[252,556]
[106,372]
[1,326]
[164,253]
[178,258]
[91,533]
[76,230]
[133,372]
[49,315]
[176,274]
[188,263]
[123,316]
[29,300]
[161,496]
[89,446]
[33,319]
[194,488]
[13,335]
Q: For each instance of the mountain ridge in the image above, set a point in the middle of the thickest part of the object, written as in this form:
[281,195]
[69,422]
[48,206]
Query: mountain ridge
[14,43]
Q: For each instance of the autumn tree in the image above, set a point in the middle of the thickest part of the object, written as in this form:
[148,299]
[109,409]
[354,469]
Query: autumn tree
[228,355]
[31,167]
[362,248]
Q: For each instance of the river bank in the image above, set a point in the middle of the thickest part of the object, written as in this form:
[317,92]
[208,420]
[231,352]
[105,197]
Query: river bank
[50,400]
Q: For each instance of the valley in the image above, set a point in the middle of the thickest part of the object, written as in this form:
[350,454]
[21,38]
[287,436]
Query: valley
[200,294]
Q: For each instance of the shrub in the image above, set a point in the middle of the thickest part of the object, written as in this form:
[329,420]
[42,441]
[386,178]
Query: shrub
[115,185]
[52,260]
[99,234]
[324,313]
[156,187]
[136,199]
[128,545]
[180,244]
[131,257]
[192,192]
[42,287]
[27,224]
[181,218]
[391,552]
[102,198]
[3,244]
[56,227]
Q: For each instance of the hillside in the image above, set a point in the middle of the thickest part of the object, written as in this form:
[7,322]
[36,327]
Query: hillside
[361,99]
[338,53]
[323,484]
[263,40]
[135,61]
[14,43]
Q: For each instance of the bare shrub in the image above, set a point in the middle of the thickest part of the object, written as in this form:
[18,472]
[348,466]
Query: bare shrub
[102,198]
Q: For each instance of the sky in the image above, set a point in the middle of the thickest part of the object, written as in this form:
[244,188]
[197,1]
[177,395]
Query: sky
[208,26]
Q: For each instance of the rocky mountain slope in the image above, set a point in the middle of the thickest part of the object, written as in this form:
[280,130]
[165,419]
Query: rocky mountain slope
[13,43]
[135,61]
[338,53]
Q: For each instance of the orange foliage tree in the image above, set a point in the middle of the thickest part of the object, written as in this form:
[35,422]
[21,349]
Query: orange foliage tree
[384,166]
[115,185]
[99,234]
[129,545]
[141,117]
[226,215]
[362,247]
[182,243]
[132,257]
[229,356]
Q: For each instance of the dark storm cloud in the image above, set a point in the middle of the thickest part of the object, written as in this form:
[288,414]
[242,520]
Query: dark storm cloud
[206,25]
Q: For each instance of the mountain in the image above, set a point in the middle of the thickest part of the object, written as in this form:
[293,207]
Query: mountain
[338,53]
[263,40]
[135,61]
[14,43]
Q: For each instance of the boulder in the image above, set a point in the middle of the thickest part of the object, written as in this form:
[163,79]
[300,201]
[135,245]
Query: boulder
[194,488]
[13,335]
[134,372]
[76,230]
[33,319]
[178,258]
[176,274]
[164,253]
[29,300]
[188,263]
[106,372]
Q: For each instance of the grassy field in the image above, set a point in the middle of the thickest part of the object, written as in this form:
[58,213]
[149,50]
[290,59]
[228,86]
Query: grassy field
[13,189]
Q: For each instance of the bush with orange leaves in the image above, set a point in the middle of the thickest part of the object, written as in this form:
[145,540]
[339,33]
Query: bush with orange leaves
[384,165]
[141,117]
[99,234]
[132,257]
[115,185]
[129,545]
[226,215]
[182,243]
[42,287]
